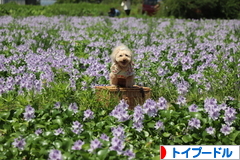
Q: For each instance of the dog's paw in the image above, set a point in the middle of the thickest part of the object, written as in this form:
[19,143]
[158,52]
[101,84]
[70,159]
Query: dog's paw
[114,86]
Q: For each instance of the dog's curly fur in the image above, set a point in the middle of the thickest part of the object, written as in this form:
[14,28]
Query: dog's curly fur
[122,67]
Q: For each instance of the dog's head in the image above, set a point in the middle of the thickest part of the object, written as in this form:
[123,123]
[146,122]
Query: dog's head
[122,56]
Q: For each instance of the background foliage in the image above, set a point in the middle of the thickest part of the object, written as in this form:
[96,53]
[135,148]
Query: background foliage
[224,9]
[50,64]
[201,8]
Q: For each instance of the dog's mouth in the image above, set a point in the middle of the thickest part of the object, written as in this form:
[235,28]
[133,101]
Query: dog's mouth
[124,62]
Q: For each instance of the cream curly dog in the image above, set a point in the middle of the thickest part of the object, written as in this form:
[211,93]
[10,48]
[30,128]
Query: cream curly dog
[122,70]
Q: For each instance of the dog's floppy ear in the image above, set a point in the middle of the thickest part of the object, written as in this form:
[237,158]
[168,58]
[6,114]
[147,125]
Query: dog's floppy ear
[113,55]
[131,56]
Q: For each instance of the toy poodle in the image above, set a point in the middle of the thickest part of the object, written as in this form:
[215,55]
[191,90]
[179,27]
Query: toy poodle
[122,74]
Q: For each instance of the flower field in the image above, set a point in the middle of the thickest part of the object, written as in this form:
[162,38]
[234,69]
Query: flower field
[50,65]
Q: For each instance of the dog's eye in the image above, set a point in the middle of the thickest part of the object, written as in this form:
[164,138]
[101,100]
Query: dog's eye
[120,55]
[126,55]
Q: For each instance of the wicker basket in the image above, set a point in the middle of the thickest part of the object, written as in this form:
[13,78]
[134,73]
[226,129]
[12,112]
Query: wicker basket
[133,96]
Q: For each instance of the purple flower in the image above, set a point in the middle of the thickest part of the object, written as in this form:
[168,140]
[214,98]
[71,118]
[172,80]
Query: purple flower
[225,129]
[159,125]
[120,111]
[150,107]
[229,119]
[174,77]
[72,83]
[38,131]
[138,114]
[88,114]
[182,88]
[210,130]
[210,104]
[124,104]
[55,155]
[19,143]
[214,114]
[229,98]
[57,105]
[231,112]
[162,103]
[29,109]
[77,145]
[222,106]
[29,113]
[117,144]
[94,145]
[129,153]
[73,107]
[181,100]
[76,124]
[211,107]
[193,108]
[118,132]
[77,127]
[138,126]
[59,131]
[194,123]
[104,137]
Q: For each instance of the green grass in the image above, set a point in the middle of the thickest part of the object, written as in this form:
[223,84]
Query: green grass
[70,9]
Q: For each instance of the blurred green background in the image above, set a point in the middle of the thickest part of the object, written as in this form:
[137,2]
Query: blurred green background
[194,9]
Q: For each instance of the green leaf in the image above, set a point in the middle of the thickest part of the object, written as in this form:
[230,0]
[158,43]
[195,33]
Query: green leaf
[14,151]
[47,133]
[166,134]
[195,135]
[187,138]
[197,115]
[7,127]
[226,141]
[86,146]
[57,144]
[55,113]
[151,124]
[18,112]
[146,134]
[67,143]
[4,115]
[87,135]
[218,143]
[177,140]
[16,126]
[58,121]
[234,135]
[45,116]
[166,114]
[103,154]
[23,128]
[67,156]
[1,148]
[44,142]
[112,153]
[103,112]
[204,134]
[156,158]
[238,105]
[39,126]
[3,157]
[90,124]
[219,135]
[100,124]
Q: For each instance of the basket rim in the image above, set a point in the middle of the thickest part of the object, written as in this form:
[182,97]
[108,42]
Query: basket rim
[111,88]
